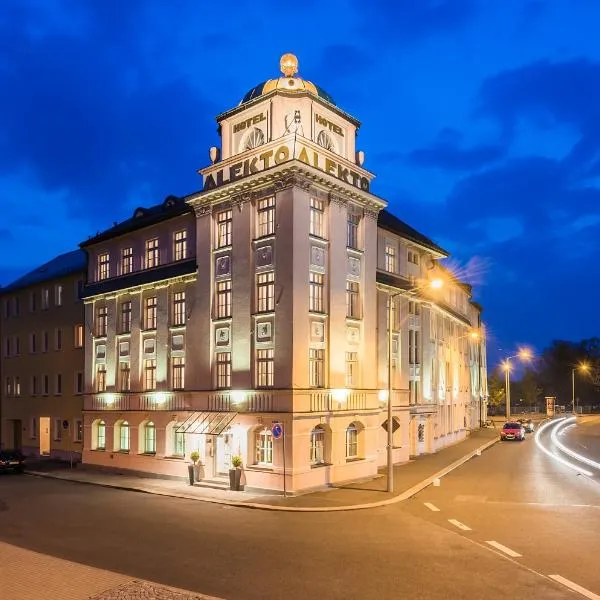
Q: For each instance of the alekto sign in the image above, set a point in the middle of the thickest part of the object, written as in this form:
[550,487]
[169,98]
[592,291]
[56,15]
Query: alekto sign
[270,158]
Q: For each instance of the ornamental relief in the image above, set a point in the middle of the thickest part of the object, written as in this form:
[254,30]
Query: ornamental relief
[354,266]
[264,256]
[317,331]
[222,336]
[317,256]
[264,331]
[223,266]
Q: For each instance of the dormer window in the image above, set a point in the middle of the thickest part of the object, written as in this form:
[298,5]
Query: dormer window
[255,138]
[324,140]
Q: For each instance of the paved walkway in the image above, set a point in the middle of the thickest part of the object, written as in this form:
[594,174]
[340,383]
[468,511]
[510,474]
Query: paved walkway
[409,479]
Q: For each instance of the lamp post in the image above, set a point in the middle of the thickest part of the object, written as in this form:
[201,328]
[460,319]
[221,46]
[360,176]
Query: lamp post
[582,367]
[433,284]
[523,354]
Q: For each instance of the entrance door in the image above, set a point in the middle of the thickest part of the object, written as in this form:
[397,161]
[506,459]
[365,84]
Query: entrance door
[224,453]
[45,436]
[17,434]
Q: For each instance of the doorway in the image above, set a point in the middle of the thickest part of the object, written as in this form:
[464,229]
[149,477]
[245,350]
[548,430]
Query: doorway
[224,453]
[44,436]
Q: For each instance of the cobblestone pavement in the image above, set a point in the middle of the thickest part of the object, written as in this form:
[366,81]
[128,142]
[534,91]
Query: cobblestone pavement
[144,590]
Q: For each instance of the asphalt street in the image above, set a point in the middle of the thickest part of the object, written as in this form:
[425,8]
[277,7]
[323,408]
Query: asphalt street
[512,495]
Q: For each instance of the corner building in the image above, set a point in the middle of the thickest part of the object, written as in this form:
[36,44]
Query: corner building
[262,299]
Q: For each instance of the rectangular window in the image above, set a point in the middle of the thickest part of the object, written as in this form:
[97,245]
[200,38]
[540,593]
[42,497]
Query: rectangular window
[6,308]
[266,216]
[32,343]
[351,369]
[352,299]
[78,336]
[391,265]
[45,342]
[126,260]
[152,257]
[8,388]
[45,385]
[317,217]
[352,442]
[101,321]
[178,441]
[264,447]
[45,298]
[125,317]
[124,376]
[223,370]
[316,367]
[58,384]
[34,385]
[352,230]
[315,292]
[16,306]
[150,374]
[178,308]
[103,266]
[265,292]
[413,391]
[57,430]
[78,430]
[224,227]
[79,382]
[32,302]
[58,339]
[17,386]
[101,377]
[180,245]
[413,347]
[224,299]
[17,345]
[178,372]
[413,257]
[34,427]
[265,367]
[58,295]
[150,306]
[7,347]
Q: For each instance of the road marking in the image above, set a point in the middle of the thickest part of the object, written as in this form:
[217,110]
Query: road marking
[432,507]
[459,525]
[575,587]
[503,549]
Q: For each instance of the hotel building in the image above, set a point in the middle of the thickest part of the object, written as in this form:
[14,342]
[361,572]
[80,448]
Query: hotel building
[250,318]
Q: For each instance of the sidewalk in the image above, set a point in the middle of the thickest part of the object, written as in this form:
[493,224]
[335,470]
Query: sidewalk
[409,479]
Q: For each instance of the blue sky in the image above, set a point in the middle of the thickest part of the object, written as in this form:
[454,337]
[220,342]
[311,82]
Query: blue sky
[480,118]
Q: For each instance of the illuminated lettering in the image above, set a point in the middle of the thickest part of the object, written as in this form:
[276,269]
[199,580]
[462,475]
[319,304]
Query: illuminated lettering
[342,173]
[303,156]
[329,125]
[266,158]
[248,122]
[282,154]
[330,166]
[234,171]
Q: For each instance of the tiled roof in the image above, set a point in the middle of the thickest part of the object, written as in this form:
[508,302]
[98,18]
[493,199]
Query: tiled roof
[389,222]
[65,264]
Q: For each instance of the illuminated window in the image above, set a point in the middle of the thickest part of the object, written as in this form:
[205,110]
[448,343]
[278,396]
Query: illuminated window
[223,370]
[352,441]
[224,227]
[179,308]
[152,253]
[351,369]
[178,372]
[103,267]
[101,321]
[149,438]
[126,261]
[58,295]
[316,367]
[101,436]
[264,447]
[352,224]
[45,298]
[101,377]
[317,446]
[266,216]
[124,376]
[150,374]
[265,292]
[317,217]
[78,431]
[224,299]
[78,336]
[180,245]
[178,440]
[125,317]
[413,391]
[18,386]
[265,367]
[124,437]
[352,299]
[150,305]
[391,265]
[315,292]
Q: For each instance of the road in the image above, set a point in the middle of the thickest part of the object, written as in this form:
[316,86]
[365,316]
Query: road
[513,495]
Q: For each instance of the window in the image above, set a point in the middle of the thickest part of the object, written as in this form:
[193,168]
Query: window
[126,260]
[57,430]
[352,299]
[32,301]
[351,369]
[58,295]
[6,308]
[78,336]
[264,367]
[413,391]
[101,321]
[78,430]
[17,345]
[264,447]
[79,289]
[317,217]
[152,257]
[413,347]
[101,377]
[316,365]
[17,386]
[224,299]
[352,230]
[32,343]
[413,257]
[125,317]
[124,376]
[7,347]
[8,386]
[414,308]
[178,308]
[16,306]
[45,342]
[224,226]
[265,292]
[223,370]
[180,245]
[34,386]
[101,436]
[150,438]
[178,372]
[79,382]
[58,384]
[150,374]
[58,339]
[316,283]
[266,216]
[390,259]
[34,427]
[45,385]
[124,437]
[178,440]
[317,446]
[352,441]
[103,268]
[150,305]
[45,298]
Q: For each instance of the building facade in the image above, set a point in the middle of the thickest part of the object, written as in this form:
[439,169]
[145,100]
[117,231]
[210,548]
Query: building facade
[261,301]
[42,360]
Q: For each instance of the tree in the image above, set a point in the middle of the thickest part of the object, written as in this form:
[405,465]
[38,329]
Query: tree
[529,387]
[496,391]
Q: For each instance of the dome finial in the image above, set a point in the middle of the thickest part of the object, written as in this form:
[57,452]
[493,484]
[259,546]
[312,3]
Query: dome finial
[288,65]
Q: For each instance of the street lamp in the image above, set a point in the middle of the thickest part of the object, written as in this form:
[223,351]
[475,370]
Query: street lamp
[584,368]
[523,354]
[434,284]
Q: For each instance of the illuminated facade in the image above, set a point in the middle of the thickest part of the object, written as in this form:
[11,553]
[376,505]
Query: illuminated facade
[262,299]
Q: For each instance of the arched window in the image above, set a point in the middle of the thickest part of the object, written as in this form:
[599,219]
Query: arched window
[352,441]
[124,437]
[324,140]
[101,436]
[317,446]
[150,438]
[264,447]
[254,139]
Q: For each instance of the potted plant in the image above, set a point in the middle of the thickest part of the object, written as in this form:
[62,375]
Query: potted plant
[235,473]
[194,468]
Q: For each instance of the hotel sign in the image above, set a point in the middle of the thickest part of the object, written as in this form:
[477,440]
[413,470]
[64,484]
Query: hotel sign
[276,156]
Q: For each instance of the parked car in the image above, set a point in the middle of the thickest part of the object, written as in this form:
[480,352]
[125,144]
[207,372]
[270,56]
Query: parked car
[512,430]
[11,460]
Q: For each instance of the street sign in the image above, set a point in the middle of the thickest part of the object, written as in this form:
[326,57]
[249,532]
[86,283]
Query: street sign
[277,430]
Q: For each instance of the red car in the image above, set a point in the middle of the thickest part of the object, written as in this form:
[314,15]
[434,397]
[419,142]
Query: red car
[512,431]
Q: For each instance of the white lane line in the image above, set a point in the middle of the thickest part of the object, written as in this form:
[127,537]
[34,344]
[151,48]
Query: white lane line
[575,587]
[459,525]
[432,507]
[503,549]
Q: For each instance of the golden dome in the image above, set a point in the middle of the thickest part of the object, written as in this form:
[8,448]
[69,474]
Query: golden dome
[288,64]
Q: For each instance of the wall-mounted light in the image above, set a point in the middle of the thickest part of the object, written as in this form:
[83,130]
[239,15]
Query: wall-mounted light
[109,399]
[340,395]
[237,396]
[159,397]
[383,395]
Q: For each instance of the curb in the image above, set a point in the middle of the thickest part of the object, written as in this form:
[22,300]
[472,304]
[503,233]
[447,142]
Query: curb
[309,509]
